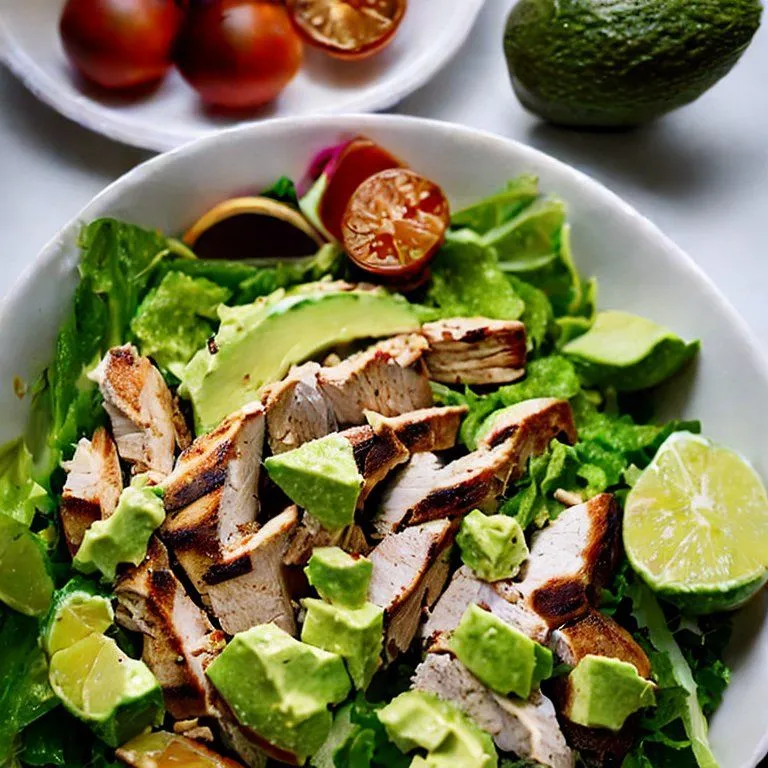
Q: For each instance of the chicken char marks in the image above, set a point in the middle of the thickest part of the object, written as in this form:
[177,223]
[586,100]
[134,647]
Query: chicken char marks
[475,350]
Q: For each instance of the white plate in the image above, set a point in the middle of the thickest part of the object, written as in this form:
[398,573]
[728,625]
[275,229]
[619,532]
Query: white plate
[638,268]
[431,33]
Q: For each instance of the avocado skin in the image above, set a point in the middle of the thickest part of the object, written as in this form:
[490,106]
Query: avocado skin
[618,63]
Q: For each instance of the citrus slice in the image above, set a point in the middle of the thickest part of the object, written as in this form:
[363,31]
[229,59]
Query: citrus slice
[169,750]
[77,611]
[25,579]
[118,697]
[696,525]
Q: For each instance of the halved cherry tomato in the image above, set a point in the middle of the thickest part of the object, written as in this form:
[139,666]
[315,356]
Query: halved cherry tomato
[348,29]
[395,222]
[359,160]
[120,43]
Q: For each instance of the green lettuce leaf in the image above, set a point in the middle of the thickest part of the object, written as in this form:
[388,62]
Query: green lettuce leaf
[538,317]
[284,191]
[176,318]
[493,211]
[20,495]
[467,281]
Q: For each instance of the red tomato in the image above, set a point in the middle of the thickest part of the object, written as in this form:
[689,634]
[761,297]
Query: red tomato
[239,53]
[395,222]
[360,159]
[348,29]
[120,43]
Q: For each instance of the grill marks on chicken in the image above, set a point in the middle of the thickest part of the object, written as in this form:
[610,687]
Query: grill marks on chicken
[179,641]
[92,489]
[140,408]
[427,429]
[409,571]
[527,728]
[475,350]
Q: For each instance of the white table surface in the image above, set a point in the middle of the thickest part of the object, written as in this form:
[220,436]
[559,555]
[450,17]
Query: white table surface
[701,173]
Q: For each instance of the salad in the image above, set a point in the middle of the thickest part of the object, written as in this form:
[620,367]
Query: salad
[342,477]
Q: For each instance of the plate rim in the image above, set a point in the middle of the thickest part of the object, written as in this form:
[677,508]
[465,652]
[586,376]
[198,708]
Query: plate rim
[84,111]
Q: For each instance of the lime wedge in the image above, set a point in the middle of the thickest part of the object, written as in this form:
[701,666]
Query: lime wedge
[77,611]
[25,579]
[117,696]
[696,525]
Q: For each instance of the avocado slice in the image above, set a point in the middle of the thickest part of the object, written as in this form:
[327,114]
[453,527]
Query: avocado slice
[603,692]
[338,577]
[355,634]
[322,477]
[257,343]
[613,64]
[493,546]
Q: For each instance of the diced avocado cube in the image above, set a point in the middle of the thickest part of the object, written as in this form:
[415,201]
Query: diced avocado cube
[338,577]
[322,477]
[499,655]
[280,688]
[603,692]
[355,634]
[493,546]
[123,537]
[420,720]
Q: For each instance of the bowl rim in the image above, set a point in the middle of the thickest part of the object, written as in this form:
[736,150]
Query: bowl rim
[359,123]
[106,121]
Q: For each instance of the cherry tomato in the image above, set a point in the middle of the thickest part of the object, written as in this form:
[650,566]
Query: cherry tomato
[348,29]
[360,159]
[395,222]
[239,53]
[120,43]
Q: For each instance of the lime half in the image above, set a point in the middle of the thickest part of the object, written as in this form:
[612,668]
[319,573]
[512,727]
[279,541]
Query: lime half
[77,611]
[116,695]
[25,579]
[696,525]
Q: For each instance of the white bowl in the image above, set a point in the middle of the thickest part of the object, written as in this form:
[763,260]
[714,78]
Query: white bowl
[431,33]
[639,270]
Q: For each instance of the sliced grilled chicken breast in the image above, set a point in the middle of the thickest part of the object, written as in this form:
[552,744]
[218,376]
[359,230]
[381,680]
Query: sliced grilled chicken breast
[475,350]
[309,534]
[409,570]
[527,728]
[388,378]
[140,407]
[92,489]
[179,640]
[572,559]
[428,429]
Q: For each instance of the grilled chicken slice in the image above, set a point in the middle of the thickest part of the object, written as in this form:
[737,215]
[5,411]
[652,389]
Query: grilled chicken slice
[428,429]
[527,728]
[297,410]
[309,534]
[389,378]
[401,570]
[179,641]
[500,598]
[92,489]
[600,635]
[140,407]
[246,586]
[475,350]
[530,426]
[426,490]
[572,559]
[246,744]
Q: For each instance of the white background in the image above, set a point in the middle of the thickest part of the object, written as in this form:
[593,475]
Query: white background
[701,173]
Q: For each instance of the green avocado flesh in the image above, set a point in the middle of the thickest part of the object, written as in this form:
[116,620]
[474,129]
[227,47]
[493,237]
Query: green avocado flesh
[355,634]
[338,577]
[419,720]
[614,63]
[280,688]
[122,537]
[499,655]
[322,477]
[604,692]
[257,343]
[493,546]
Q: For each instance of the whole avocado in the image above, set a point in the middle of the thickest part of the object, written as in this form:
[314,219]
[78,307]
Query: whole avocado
[618,63]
